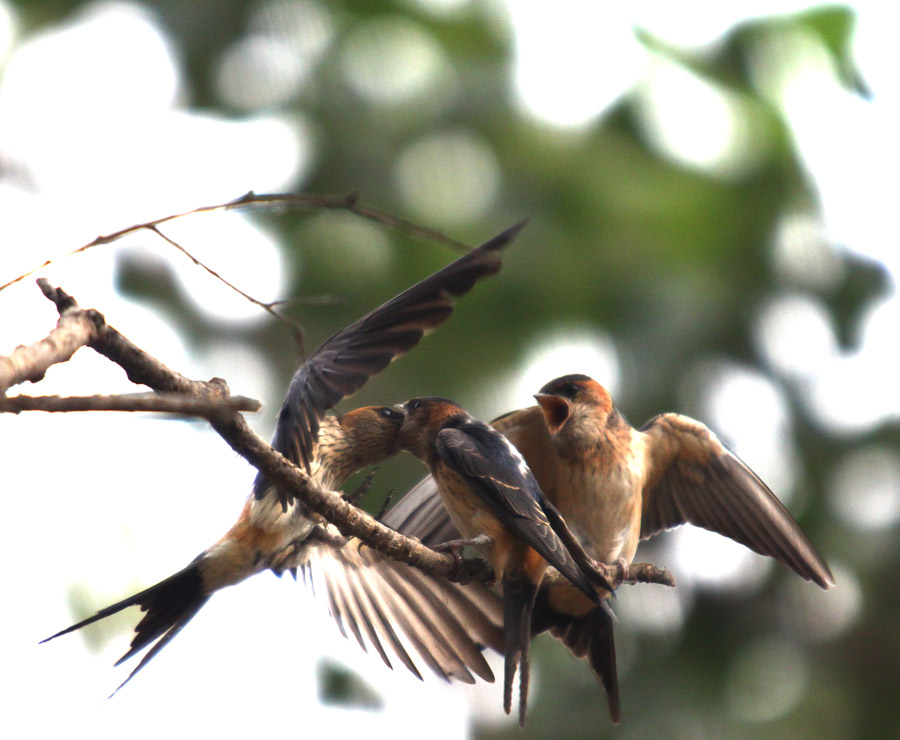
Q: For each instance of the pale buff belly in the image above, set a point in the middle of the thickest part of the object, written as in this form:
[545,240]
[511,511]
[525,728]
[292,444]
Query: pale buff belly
[603,509]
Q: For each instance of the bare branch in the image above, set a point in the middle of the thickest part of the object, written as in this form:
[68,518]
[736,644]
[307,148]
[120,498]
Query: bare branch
[166,403]
[74,330]
[350,521]
[618,573]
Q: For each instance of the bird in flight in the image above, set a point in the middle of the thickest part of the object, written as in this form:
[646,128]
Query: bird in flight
[273,530]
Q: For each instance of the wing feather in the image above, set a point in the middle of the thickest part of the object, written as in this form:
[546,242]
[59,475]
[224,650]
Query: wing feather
[696,480]
[395,605]
[343,363]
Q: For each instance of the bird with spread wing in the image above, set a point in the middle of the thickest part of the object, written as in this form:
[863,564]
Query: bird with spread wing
[273,529]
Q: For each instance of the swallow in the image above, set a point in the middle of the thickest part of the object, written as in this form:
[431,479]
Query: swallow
[617,485]
[494,501]
[273,530]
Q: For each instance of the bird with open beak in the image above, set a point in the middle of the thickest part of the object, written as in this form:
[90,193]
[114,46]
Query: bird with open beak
[495,502]
[273,531]
[617,485]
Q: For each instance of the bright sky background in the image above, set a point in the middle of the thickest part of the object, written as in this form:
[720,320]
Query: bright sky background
[130,150]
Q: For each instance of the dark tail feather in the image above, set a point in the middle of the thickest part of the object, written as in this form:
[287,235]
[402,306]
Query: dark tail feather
[601,657]
[589,637]
[169,606]
[518,600]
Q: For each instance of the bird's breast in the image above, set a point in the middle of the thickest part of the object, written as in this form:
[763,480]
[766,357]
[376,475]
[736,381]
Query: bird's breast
[472,517]
[600,497]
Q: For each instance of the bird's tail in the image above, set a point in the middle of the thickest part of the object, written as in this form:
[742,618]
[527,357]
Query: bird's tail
[589,637]
[518,601]
[169,606]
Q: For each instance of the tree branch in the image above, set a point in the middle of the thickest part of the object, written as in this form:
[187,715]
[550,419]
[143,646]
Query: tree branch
[73,331]
[164,403]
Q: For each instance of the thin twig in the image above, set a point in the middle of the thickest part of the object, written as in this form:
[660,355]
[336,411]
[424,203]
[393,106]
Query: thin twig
[303,201]
[349,202]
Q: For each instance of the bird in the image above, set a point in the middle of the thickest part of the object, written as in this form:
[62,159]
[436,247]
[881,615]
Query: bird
[274,530]
[495,502]
[617,485]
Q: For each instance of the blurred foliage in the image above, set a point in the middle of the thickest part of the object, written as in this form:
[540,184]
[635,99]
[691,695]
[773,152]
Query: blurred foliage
[673,263]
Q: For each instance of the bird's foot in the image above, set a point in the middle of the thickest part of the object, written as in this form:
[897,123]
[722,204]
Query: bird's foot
[385,506]
[618,572]
[624,570]
[455,548]
[362,489]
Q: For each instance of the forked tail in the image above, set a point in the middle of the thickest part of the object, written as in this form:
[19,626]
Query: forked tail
[518,600]
[169,606]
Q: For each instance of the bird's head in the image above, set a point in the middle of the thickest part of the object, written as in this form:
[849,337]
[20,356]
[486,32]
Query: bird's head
[374,431]
[425,417]
[566,400]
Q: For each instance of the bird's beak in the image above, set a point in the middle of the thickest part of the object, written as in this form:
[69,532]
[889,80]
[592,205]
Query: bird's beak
[556,410]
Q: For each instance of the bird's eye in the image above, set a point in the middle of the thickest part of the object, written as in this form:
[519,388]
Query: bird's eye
[388,413]
[571,390]
[415,404]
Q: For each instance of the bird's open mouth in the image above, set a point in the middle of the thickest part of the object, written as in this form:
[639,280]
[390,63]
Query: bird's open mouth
[556,410]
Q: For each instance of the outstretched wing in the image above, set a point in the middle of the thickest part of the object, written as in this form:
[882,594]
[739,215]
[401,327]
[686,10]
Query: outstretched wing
[499,475]
[398,610]
[697,480]
[343,363]
[422,514]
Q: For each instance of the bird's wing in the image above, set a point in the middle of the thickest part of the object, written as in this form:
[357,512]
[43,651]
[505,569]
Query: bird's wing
[397,609]
[422,514]
[343,363]
[499,475]
[695,479]
[527,430]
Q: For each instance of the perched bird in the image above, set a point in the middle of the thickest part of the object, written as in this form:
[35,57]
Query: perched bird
[616,485]
[495,501]
[273,530]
